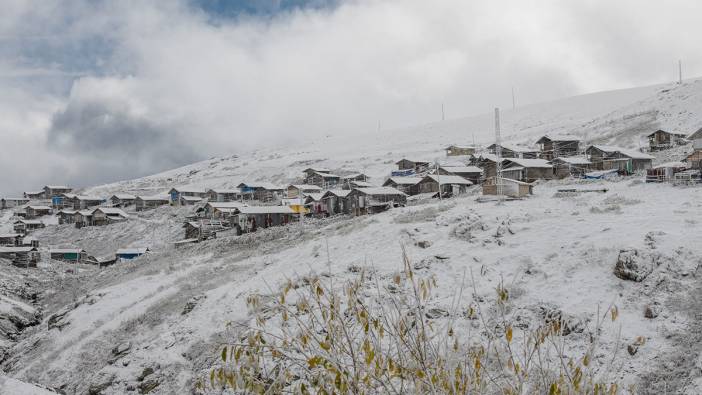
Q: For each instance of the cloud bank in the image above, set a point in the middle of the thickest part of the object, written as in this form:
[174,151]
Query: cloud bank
[99,91]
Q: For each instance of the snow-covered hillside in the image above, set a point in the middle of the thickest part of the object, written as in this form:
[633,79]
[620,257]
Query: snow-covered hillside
[155,325]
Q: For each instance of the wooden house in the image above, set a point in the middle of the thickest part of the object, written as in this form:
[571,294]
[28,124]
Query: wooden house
[296,204]
[32,212]
[21,256]
[142,203]
[55,190]
[558,146]
[527,170]
[356,184]
[311,170]
[24,226]
[623,160]
[203,229]
[574,166]
[69,255]
[416,166]
[509,187]
[323,180]
[336,201]
[665,172]
[65,200]
[7,203]
[220,210]
[108,215]
[407,185]
[472,173]
[459,150]
[316,205]
[662,140]
[261,191]
[222,195]
[296,190]
[11,239]
[176,193]
[486,162]
[30,241]
[122,199]
[251,218]
[189,200]
[513,151]
[694,160]
[373,200]
[81,202]
[66,216]
[34,195]
[448,184]
[354,177]
[83,218]
[127,254]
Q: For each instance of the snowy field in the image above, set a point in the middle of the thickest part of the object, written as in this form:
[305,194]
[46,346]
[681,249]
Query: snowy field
[156,324]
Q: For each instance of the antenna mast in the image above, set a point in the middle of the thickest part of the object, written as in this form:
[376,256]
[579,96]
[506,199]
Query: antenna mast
[679,71]
[443,115]
[498,154]
[514,106]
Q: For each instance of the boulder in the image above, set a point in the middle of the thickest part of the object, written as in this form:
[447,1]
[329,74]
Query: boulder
[633,265]
[652,311]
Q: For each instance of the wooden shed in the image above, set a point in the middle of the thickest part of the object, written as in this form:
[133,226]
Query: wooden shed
[6,203]
[558,146]
[694,160]
[220,210]
[24,226]
[418,166]
[513,151]
[142,203]
[21,256]
[471,173]
[11,239]
[373,200]
[527,170]
[450,185]
[570,166]
[55,190]
[34,195]
[81,202]
[122,199]
[223,195]
[176,193]
[407,185]
[336,201]
[70,255]
[260,191]
[251,218]
[323,180]
[83,218]
[510,187]
[316,205]
[662,140]
[297,190]
[66,216]
[459,150]
[108,215]
[624,160]
[32,212]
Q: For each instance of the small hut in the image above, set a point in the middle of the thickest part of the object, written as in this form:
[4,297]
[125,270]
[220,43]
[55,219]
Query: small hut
[25,256]
[570,166]
[459,150]
[336,201]
[142,203]
[510,187]
[551,147]
[373,200]
[122,199]
[448,184]
[70,255]
[662,140]
[406,185]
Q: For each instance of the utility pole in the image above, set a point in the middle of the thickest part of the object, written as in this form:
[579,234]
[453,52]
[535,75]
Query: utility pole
[498,154]
[679,71]
[443,115]
[438,179]
[514,105]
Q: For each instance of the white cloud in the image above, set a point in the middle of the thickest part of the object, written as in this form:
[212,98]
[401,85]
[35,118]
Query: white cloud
[167,74]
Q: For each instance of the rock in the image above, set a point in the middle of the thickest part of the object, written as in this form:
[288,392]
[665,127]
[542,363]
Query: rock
[435,313]
[568,323]
[148,386]
[634,265]
[121,348]
[146,372]
[190,304]
[423,264]
[56,320]
[632,349]
[100,383]
[423,244]
[441,257]
[652,311]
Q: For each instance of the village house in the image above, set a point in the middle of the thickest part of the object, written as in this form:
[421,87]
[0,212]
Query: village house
[357,184]
[220,210]
[665,172]
[354,177]
[662,140]
[108,215]
[509,187]
[336,201]
[296,204]
[65,200]
[364,201]
[127,254]
[24,256]
[32,212]
[24,226]
[261,191]
[7,203]
[409,167]
[296,190]
[316,205]
[189,200]
[471,173]
[513,151]
[203,229]
[551,147]
[66,216]
[176,193]
[614,158]
[68,255]
[35,195]
[570,166]
[487,162]
[251,218]
[142,203]
[450,185]
[694,160]
[527,170]
[55,190]
[406,185]
[323,179]
[122,199]
[30,241]
[458,150]
[81,202]
[222,195]
[83,218]
[11,239]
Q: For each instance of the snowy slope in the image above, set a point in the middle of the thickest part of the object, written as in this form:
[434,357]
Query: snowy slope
[169,312]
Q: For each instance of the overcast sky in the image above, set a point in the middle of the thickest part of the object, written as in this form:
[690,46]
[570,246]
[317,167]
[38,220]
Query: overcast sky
[95,91]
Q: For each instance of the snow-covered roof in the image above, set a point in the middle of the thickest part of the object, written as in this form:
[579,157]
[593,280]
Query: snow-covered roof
[132,251]
[188,189]
[154,198]
[306,187]
[542,163]
[191,198]
[572,160]
[354,175]
[670,164]
[626,152]
[220,205]
[342,193]
[315,196]
[259,184]
[67,211]
[403,180]
[509,180]
[9,235]
[223,191]
[266,210]
[453,180]
[69,195]
[66,251]
[514,148]
[17,249]
[667,132]
[123,196]
[57,187]
[29,221]
[460,146]
[111,211]
[326,175]
[34,192]
[462,169]
[559,137]
[412,160]
[380,191]
[85,213]
[361,184]
[89,198]
[316,170]
[696,135]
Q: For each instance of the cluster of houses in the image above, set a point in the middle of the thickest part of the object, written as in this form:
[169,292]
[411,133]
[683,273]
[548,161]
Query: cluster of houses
[502,169]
